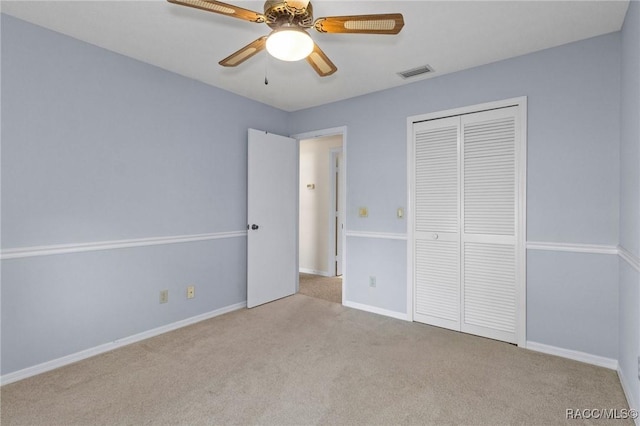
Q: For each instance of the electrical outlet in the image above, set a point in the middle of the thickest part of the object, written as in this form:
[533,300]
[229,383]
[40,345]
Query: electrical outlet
[164,296]
[372,281]
[191,292]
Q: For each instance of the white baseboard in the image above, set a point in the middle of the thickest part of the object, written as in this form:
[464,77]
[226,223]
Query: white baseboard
[600,361]
[314,272]
[87,353]
[374,310]
[633,403]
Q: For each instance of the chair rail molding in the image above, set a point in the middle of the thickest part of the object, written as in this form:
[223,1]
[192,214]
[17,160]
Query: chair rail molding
[630,258]
[380,235]
[572,247]
[623,253]
[16,253]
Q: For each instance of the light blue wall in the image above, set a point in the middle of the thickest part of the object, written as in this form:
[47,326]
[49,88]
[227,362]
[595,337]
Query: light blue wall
[630,132]
[573,138]
[573,175]
[369,257]
[58,305]
[97,147]
[629,331]
[629,349]
[573,301]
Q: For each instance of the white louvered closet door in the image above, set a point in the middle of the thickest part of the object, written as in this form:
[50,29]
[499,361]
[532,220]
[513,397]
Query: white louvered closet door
[489,223]
[437,224]
[465,223]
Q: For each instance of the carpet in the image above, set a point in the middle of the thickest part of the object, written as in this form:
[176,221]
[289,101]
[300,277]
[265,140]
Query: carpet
[326,288]
[305,361]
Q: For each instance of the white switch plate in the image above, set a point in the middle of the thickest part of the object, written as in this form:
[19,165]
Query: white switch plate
[372,281]
[164,296]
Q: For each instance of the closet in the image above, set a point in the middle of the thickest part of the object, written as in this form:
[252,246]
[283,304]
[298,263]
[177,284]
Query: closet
[467,239]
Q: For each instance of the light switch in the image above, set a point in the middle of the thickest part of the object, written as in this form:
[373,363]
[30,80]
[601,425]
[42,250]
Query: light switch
[400,212]
[363,212]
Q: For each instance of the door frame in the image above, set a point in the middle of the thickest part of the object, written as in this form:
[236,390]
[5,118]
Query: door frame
[334,227]
[521,229]
[314,134]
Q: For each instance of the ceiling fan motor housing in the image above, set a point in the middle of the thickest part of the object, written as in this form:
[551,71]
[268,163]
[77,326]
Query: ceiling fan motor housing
[278,14]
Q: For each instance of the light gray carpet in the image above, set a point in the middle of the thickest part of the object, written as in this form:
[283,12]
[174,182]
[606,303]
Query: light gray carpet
[305,361]
[326,288]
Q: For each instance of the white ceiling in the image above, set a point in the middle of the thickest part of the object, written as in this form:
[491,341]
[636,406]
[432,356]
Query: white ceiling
[448,35]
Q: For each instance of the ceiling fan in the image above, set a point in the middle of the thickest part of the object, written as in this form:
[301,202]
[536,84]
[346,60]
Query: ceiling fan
[289,21]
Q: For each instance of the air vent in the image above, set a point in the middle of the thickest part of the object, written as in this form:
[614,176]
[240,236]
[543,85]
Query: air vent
[416,71]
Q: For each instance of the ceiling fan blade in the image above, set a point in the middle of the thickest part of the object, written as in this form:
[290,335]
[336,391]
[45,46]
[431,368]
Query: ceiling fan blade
[223,9]
[296,6]
[245,53]
[320,62]
[387,23]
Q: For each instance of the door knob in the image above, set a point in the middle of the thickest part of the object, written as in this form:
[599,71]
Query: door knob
[254,226]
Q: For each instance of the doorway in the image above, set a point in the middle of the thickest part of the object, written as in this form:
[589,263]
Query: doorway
[321,214]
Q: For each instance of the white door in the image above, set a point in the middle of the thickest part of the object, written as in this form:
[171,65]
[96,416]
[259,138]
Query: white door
[272,212]
[466,242]
[489,224]
[437,222]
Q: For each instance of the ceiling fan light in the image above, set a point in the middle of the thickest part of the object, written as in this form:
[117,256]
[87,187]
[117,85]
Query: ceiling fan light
[289,44]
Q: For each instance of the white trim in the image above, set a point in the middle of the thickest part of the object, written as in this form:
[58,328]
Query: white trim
[600,361]
[519,101]
[570,247]
[630,258]
[335,211]
[17,253]
[342,130]
[375,310]
[633,403]
[381,235]
[408,214]
[118,343]
[521,238]
[314,272]
[627,256]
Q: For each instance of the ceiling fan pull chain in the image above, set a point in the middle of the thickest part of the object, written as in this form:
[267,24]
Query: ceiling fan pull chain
[266,68]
